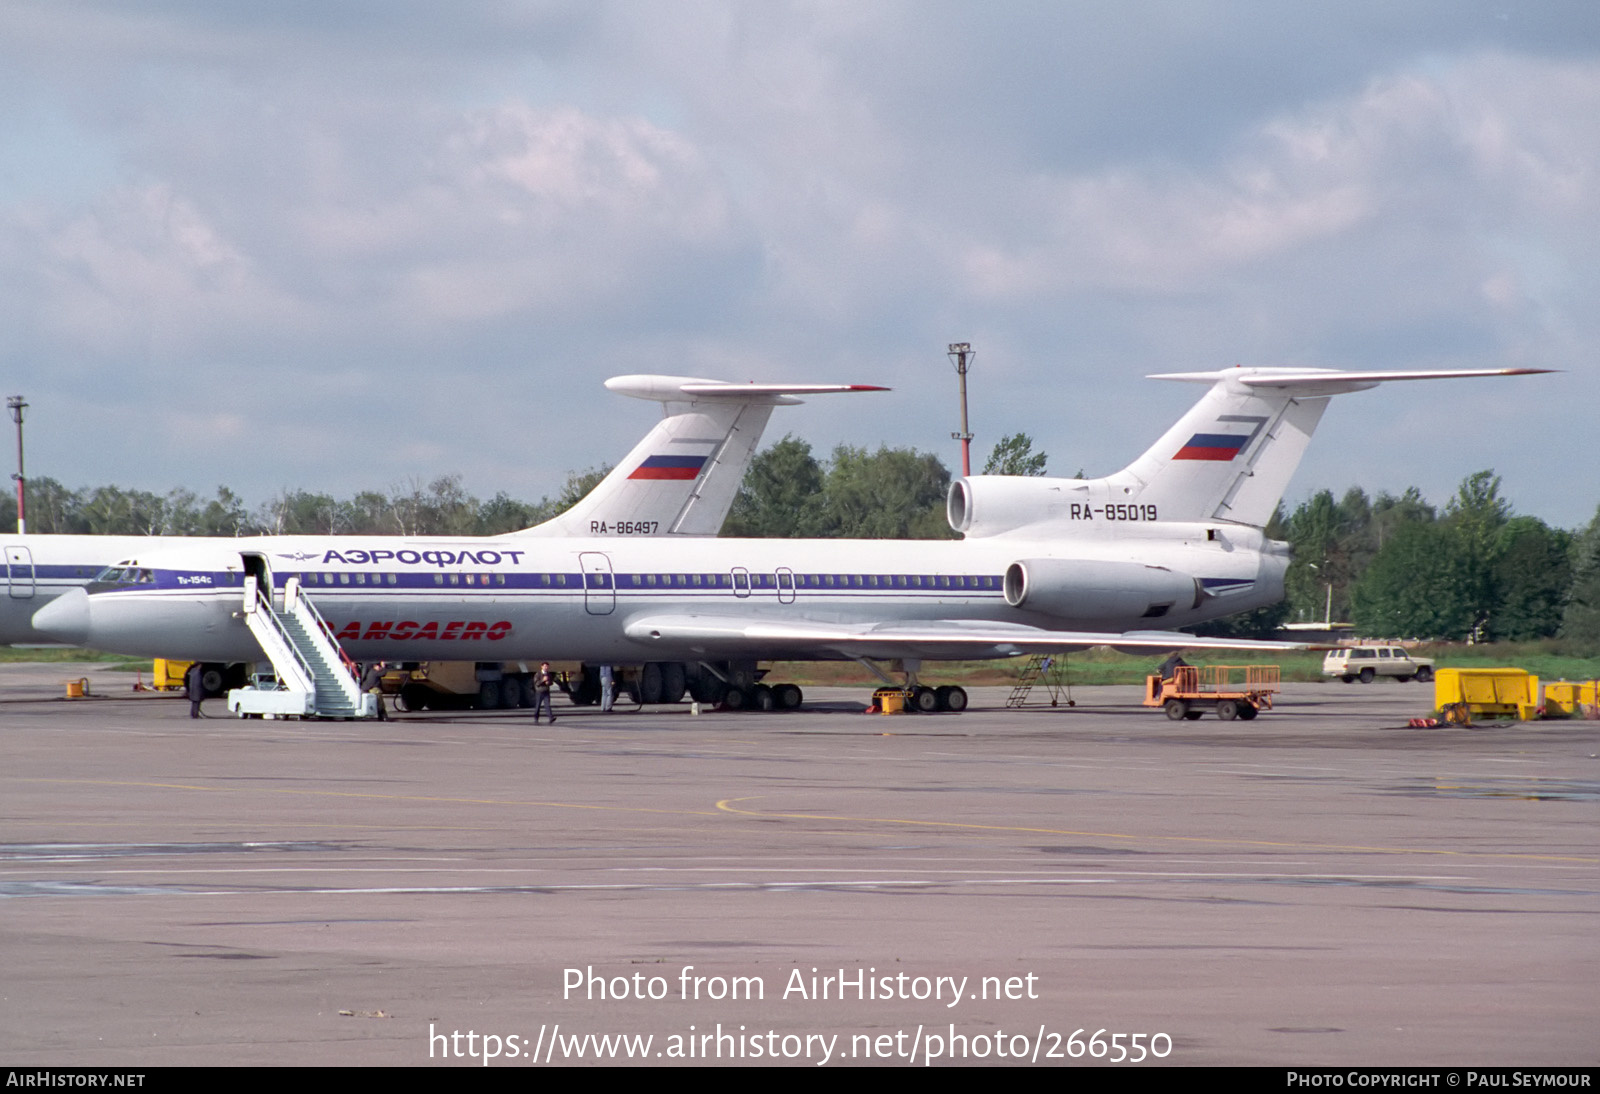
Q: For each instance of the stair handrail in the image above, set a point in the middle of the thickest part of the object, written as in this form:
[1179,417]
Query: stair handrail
[298,596]
[262,606]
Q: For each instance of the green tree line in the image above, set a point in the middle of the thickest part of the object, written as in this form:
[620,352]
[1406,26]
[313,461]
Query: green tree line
[1395,566]
[440,508]
[1398,566]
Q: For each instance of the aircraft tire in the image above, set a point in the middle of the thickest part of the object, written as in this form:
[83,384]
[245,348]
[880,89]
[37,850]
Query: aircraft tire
[488,695]
[211,680]
[924,700]
[674,682]
[1176,709]
[510,693]
[735,699]
[761,698]
[650,682]
[951,698]
[706,688]
[788,696]
[413,697]
[1227,710]
[526,697]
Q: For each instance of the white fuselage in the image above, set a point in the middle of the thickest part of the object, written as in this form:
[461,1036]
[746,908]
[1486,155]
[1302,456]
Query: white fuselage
[1173,539]
[595,599]
[39,568]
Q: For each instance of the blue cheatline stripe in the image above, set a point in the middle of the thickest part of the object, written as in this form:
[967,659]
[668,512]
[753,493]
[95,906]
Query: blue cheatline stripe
[317,582]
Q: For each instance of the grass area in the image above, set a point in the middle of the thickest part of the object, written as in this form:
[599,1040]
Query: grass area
[1097,666]
[10,655]
[1550,660]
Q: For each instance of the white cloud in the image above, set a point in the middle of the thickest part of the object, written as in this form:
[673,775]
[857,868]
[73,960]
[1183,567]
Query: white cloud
[430,226]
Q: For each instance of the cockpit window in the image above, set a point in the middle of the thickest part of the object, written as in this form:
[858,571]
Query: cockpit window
[124,574]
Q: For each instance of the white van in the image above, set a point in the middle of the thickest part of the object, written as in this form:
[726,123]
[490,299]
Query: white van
[1366,663]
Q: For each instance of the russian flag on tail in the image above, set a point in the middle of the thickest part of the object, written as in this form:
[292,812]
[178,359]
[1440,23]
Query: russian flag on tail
[1212,446]
[677,468]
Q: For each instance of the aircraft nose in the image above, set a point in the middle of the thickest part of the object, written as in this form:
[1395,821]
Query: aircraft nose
[66,618]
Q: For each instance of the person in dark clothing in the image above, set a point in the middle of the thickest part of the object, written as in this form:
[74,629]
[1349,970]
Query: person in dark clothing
[1169,668]
[372,681]
[194,688]
[543,680]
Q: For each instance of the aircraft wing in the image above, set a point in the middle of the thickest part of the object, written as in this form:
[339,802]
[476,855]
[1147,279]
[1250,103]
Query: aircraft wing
[734,636]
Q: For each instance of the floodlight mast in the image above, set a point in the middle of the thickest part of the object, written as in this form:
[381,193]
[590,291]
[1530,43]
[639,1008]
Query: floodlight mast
[15,404]
[961,356]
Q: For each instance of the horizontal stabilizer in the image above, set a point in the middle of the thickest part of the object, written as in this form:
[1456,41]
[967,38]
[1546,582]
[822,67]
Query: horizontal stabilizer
[1330,381]
[682,389]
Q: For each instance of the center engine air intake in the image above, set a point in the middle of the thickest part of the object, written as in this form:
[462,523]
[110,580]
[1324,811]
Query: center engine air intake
[987,505]
[1089,589]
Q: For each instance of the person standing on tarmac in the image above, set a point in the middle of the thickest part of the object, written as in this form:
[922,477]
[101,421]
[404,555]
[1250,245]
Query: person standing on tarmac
[542,682]
[372,681]
[194,688]
[608,688]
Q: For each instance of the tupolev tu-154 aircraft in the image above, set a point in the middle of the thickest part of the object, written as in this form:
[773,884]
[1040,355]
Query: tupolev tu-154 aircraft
[679,480]
[1174,539]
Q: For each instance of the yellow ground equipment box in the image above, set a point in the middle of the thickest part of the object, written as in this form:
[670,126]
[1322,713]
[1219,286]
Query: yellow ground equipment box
[889,701]
[168,675]
[1489,693]
[1572,699]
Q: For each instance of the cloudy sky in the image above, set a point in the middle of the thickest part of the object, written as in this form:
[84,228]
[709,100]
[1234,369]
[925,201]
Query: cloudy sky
[344,244]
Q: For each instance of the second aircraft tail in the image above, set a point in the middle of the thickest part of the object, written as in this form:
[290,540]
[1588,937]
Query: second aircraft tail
[1229,459]
[681,479]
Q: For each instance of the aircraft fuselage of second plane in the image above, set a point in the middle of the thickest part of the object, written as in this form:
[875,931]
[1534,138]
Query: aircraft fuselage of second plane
[595,600]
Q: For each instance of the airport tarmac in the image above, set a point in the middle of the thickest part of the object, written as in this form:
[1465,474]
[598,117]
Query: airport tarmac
[1321,886]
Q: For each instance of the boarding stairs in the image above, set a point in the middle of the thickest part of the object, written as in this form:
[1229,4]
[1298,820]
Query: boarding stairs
[313,676]
[1048,669]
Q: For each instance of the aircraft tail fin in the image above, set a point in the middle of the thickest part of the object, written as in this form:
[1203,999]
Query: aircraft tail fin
[1231,456]
[681,479]
[1229,459]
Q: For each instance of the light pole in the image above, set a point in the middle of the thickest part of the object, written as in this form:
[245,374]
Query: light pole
[961,356]
[1327,619]
[17,406]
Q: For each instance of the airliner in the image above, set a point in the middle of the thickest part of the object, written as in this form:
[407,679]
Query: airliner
[1045,564]
[679,480]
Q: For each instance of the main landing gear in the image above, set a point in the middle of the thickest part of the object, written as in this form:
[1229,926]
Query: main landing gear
[737,685]
[763,697]
[921,699]
[918,698]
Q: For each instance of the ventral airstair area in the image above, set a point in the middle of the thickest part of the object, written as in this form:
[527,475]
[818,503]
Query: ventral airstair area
[312,677]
